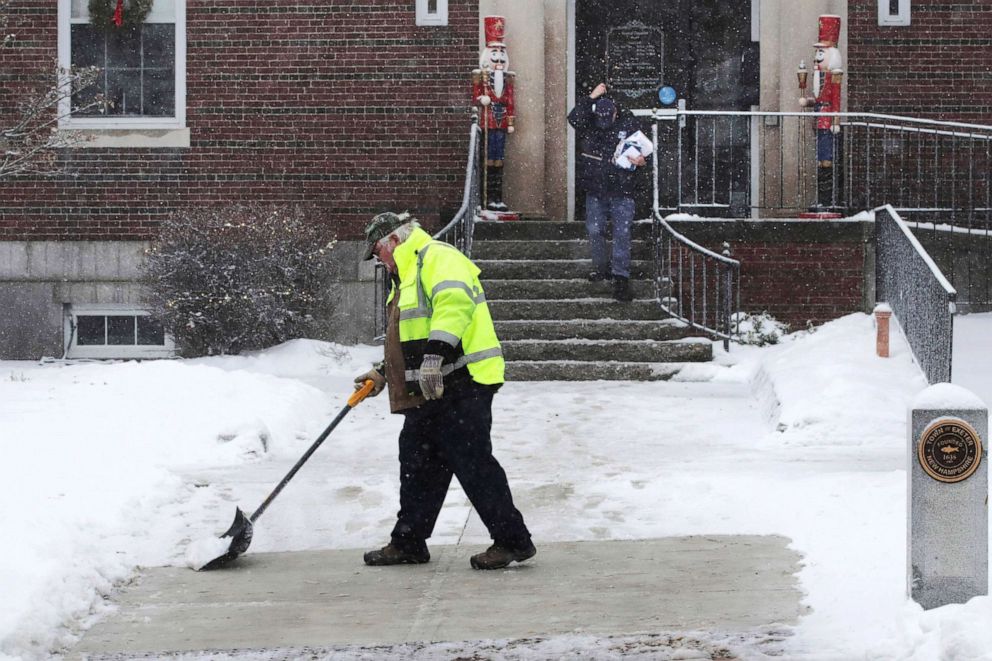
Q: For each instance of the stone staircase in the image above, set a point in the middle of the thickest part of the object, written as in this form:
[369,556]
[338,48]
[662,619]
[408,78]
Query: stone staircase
[557,326]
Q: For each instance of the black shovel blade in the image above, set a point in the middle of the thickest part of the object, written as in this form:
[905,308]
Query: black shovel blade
[240,533]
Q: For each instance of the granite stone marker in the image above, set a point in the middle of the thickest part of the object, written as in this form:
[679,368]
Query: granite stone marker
[948,490]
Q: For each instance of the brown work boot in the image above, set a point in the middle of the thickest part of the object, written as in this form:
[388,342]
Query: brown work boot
[390,554]
[498,556]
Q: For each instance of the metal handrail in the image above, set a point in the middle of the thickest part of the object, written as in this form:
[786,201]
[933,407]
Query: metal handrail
[752,162]
[921,297]
[664,113]
[458,232]
[683,288]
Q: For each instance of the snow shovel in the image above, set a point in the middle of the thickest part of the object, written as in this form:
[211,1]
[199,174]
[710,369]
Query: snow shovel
[240,531]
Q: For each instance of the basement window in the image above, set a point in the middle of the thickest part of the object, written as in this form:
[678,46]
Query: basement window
[110,332]
[893,12]
[432,12]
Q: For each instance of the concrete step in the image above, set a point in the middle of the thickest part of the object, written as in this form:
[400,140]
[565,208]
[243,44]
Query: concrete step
[575,309]
[591,329]
[547,269]
[549,249]
[544,230]
[631,351]
[563,370]
[555,289]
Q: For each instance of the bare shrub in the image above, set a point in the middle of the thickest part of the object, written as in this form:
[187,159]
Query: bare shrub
[229,279]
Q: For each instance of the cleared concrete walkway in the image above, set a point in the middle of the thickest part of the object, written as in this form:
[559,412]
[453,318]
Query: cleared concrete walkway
[325,599]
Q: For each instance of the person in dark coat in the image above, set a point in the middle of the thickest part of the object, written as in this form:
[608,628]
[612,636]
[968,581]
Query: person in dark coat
[601,126]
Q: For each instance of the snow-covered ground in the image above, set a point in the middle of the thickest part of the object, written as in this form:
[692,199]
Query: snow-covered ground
[110,466]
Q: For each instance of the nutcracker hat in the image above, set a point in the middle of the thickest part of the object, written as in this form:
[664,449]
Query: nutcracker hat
[495,29]
[829,35]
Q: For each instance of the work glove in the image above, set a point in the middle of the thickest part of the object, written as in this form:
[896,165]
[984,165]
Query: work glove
[431,379]
[378,379]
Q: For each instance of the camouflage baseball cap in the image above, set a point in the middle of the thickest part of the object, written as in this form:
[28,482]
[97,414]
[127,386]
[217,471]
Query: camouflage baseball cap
[380,227]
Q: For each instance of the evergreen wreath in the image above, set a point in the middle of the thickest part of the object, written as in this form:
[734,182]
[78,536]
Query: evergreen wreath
[102,13]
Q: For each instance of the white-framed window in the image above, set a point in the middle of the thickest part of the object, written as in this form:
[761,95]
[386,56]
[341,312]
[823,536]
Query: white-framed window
[893,12]
[143,69]
[110,331]
[432,12]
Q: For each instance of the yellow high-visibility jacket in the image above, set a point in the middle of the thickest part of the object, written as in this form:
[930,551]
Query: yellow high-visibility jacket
[443,311]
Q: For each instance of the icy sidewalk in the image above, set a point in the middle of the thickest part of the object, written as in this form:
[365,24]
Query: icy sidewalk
[327,599]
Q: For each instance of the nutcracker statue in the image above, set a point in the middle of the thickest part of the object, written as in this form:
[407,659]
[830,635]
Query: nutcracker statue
[828,73]
[492,91]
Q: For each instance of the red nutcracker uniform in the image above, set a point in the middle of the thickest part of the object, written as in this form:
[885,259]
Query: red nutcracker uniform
[827,77]
[492,91]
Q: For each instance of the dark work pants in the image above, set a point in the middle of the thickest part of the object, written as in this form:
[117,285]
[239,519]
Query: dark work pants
[449,437]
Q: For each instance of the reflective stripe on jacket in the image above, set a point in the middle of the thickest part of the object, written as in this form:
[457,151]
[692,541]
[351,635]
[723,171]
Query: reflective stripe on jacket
[443,311]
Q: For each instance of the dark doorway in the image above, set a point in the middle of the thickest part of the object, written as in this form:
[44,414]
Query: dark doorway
[702,48]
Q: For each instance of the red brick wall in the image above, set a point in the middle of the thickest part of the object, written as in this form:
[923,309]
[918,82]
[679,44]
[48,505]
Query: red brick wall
[343,104]
[937,67]
[798,272]
[799,283]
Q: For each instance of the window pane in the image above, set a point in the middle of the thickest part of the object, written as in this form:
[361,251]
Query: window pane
[79,9]
[150,332]
[86,97]
[124,91]
[89,330]
[138,66]
[160,94]
[124,48]
[87,45]
[120,330]
[159,42]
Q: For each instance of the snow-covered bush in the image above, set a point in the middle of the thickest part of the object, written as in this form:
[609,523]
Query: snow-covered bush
[757,329]
[229,279]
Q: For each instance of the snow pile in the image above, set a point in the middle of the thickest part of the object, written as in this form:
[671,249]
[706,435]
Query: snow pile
[204,550]
[93,455]
[947,396]
[834,389]
[758,329]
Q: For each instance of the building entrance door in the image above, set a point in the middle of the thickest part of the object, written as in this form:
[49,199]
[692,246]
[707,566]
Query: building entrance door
[701,48]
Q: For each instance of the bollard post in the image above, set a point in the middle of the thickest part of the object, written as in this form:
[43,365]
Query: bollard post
[883,313]
[948,491]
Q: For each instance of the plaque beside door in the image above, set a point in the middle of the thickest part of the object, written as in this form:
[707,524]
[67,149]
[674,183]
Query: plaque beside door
[635,63]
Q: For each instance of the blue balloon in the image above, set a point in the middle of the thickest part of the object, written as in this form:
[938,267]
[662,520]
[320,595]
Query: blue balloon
[667,95]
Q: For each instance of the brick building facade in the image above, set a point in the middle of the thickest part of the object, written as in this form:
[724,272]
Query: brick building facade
[348,106]
[937,67]
[351,107]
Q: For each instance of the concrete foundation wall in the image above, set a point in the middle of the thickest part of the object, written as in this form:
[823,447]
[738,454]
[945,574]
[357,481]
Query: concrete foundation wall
[38,279]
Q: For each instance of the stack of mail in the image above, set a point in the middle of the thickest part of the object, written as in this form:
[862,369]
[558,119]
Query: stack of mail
[634,145]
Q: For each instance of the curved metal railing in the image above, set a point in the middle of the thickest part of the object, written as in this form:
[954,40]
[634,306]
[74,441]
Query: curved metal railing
[459,231]
[693,283]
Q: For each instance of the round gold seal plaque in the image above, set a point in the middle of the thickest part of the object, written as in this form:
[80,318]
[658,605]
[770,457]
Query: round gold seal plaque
[950,450]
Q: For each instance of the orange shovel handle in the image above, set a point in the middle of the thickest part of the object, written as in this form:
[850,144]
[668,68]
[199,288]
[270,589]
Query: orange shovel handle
[361,393]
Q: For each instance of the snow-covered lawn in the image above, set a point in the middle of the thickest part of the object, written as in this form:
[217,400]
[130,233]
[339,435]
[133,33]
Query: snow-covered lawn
[110,466]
